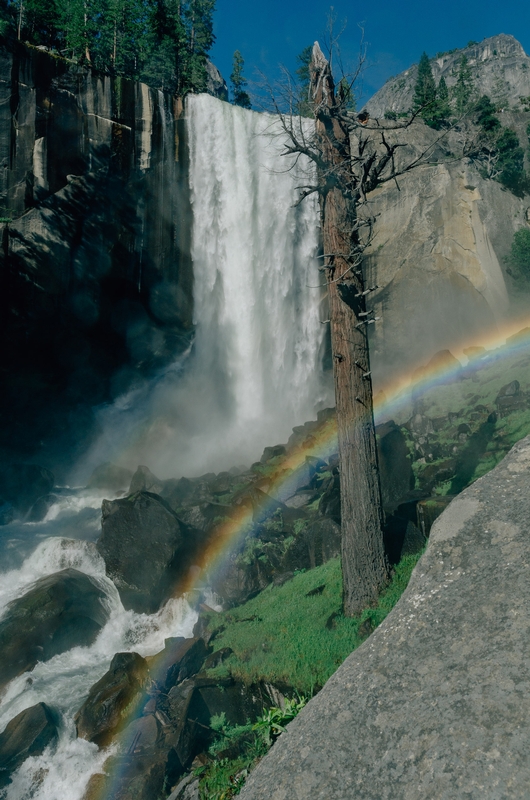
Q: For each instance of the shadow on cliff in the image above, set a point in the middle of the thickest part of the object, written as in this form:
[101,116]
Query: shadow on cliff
[84,308]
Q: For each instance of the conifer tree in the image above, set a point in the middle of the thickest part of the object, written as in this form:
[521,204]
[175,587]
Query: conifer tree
[442,109]
[238,82]
[305,103]
[425,89]
[463,89]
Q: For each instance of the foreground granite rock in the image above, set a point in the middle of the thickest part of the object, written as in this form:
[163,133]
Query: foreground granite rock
[435,704]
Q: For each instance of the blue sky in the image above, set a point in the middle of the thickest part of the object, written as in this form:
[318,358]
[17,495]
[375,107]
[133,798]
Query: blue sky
[270,32]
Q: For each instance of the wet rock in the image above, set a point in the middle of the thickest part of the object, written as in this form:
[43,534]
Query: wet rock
[101,714]
[218,658]
[21,485]
[28,734]
[61,611]
[144,548]
[201,626]
[272,452]
[329,505]
[143,480]
[179,660]
[110,477]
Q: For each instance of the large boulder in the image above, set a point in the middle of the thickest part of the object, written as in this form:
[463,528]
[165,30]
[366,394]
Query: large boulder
[21,485]
[435,703]
[100,716]
[144,547]
[28,734]
[61,611]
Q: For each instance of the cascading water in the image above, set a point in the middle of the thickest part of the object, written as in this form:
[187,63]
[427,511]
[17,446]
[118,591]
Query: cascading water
[255,367]
[252,373]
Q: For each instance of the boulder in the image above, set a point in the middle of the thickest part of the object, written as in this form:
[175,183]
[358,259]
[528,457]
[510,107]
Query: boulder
[61,611]
[397,477]
[28,734]
[110,477]
[144,548]
[434,704]
[21,485]
[100,716]
[511,398]
[179,660]
[143,480]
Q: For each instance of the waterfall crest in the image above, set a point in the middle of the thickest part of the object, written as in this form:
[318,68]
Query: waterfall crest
[254,370]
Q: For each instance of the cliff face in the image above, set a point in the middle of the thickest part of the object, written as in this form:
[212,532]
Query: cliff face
[439,258]
[95,270]
[443,233]
[499,66]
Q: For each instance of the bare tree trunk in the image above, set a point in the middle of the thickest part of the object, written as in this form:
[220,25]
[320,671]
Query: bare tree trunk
[364,564]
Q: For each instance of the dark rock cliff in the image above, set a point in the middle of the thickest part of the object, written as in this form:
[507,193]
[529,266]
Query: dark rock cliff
[96,279]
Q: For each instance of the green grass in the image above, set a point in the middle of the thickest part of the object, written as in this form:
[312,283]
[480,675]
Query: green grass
[281,635]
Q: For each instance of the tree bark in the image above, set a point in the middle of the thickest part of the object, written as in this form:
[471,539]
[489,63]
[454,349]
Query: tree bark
[364,565]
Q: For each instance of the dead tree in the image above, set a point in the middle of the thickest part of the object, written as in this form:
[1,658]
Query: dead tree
[353,155]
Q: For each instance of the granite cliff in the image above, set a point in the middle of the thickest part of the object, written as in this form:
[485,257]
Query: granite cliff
[95,267]
[443,233]
[499,66]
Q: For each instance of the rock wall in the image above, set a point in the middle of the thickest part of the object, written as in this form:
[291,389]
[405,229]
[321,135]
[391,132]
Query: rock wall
[96,279]
[439,256]
[434,703]
[499,66]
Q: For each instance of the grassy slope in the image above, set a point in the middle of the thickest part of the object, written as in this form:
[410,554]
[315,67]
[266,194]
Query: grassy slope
[281,635]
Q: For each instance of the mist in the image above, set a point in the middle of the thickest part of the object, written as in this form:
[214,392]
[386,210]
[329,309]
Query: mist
[255,367]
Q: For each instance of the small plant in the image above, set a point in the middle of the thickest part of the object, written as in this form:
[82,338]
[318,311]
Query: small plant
[273,722]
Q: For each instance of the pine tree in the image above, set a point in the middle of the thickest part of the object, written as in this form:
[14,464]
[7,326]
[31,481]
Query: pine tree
[238,82]
[463,89]
[305,104]
[425,89]
[442,107]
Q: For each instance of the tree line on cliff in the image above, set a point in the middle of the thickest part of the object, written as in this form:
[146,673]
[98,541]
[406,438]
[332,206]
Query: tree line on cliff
[162,42]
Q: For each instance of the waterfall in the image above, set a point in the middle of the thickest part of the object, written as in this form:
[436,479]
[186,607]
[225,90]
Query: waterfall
[258,331]
[254,370]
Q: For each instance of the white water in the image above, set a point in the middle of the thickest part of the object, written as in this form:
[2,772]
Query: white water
[62,772]
[254,371]
[255,367]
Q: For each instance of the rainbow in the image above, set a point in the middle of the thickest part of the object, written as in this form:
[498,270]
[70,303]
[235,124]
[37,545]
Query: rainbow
[389,400]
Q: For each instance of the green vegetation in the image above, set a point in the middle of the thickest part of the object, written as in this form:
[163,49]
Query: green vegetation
[163,42]
[238,82]
[273,722]
[296,633]
[458,463]
[520,254]
[305,106]
[463,89]
[425,89]
[430,101]
[500,154]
